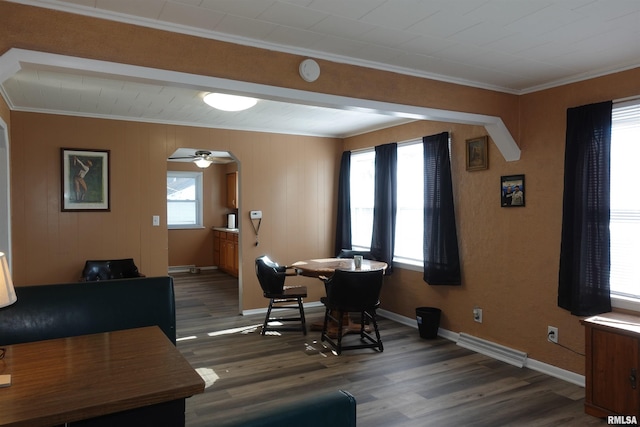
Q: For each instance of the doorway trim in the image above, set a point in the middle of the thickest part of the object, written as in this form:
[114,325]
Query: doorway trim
[5,193]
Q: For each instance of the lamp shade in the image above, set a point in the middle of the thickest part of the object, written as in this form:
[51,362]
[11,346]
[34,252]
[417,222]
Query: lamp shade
[202,163]
[7,293]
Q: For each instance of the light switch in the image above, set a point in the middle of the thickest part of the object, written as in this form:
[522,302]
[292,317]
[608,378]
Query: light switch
[156,220]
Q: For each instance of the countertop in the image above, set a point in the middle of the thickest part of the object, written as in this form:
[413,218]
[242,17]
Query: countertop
[225,229]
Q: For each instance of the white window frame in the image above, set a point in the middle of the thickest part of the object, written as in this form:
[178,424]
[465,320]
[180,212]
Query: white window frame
[625,301]
[197,176]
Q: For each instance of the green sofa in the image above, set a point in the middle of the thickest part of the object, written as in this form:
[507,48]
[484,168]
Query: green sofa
[334,409]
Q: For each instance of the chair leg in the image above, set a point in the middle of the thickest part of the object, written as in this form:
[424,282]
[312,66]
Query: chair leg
[325,325]
[302,318]
[377,331]
[340,324]
[267,317]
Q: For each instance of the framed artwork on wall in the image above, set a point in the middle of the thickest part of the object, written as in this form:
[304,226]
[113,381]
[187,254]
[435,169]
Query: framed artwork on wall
[512,191]
[477,156]
[85,180]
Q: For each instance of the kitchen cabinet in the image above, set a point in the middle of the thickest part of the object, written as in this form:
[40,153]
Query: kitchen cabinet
[232,190]
[612,344]
[225,251]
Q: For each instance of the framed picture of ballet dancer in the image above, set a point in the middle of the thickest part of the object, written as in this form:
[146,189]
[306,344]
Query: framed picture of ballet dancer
[85,180]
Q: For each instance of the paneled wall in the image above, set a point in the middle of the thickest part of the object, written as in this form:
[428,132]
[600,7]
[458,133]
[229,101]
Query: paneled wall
[294,187]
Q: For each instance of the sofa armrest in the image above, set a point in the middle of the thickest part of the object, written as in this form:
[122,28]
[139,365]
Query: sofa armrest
[335,409]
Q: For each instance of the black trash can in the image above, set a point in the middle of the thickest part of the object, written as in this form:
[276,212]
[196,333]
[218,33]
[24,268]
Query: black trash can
[428,321]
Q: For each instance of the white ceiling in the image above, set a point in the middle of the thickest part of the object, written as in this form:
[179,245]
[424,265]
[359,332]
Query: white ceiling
[514,46]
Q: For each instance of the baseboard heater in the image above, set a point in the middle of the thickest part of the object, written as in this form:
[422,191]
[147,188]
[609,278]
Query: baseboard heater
[491,349]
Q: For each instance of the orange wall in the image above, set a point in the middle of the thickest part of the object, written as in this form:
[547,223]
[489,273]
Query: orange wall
[4,111]
[510,256]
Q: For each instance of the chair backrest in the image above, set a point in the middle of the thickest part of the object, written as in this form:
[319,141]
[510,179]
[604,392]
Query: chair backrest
[355,290]
[270,275]
[350,253]
[109,269]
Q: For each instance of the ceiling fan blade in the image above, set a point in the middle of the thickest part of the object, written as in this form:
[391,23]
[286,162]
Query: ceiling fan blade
[186,157]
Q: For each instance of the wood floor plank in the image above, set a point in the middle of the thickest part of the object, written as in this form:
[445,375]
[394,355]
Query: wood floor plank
[413,383]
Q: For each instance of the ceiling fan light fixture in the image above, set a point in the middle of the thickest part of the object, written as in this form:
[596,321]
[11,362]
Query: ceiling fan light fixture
[226,102]
[202,162]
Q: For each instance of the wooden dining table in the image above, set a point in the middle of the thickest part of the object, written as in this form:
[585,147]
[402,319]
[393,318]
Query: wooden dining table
[324,268]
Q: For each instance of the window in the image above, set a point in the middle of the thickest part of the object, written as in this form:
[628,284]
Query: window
[409,219]
[184,199]
[625,204]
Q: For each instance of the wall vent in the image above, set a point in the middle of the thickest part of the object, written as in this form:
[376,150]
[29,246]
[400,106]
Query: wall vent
[491,349]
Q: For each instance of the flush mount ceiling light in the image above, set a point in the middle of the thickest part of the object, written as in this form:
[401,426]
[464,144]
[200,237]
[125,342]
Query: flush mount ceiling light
[226,102]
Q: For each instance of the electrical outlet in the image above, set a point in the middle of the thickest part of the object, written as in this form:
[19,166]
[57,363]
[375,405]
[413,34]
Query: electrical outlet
[552,334]
[477,314]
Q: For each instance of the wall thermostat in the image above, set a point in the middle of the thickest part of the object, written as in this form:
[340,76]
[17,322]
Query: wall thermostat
[255,214]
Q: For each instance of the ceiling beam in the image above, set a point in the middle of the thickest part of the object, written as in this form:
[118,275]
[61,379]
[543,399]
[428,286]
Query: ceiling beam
[10,63]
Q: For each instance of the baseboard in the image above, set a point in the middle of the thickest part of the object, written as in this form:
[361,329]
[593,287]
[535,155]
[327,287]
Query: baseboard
[532,364]
[554,371]
[508,355]
[187,268]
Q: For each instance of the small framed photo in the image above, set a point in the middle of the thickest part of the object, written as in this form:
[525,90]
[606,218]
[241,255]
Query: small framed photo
[477,156]
[512,191]
[85,180]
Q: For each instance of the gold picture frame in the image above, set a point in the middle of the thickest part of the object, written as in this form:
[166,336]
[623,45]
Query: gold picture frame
[476,153]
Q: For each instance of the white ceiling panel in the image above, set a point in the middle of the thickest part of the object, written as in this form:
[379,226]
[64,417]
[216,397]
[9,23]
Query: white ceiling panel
[190,15]
[247,8]
[142,8]
[292,16]
[400,14]
[515,46]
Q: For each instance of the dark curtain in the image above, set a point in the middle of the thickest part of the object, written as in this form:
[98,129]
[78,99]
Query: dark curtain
[343,224]
[441,256]
[385,204]
[583,286]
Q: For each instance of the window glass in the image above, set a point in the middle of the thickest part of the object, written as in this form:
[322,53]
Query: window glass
[184,199]
[362,187]
[625,203]
[410,216]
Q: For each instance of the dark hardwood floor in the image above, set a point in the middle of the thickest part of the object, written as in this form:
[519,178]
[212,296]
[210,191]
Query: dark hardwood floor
[414,382]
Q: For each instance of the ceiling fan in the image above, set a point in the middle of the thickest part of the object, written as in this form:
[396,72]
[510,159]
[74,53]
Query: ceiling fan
[203,159]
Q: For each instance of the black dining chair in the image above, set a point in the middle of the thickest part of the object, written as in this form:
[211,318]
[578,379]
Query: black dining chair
[272,277]
[352,292]
[350,253]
